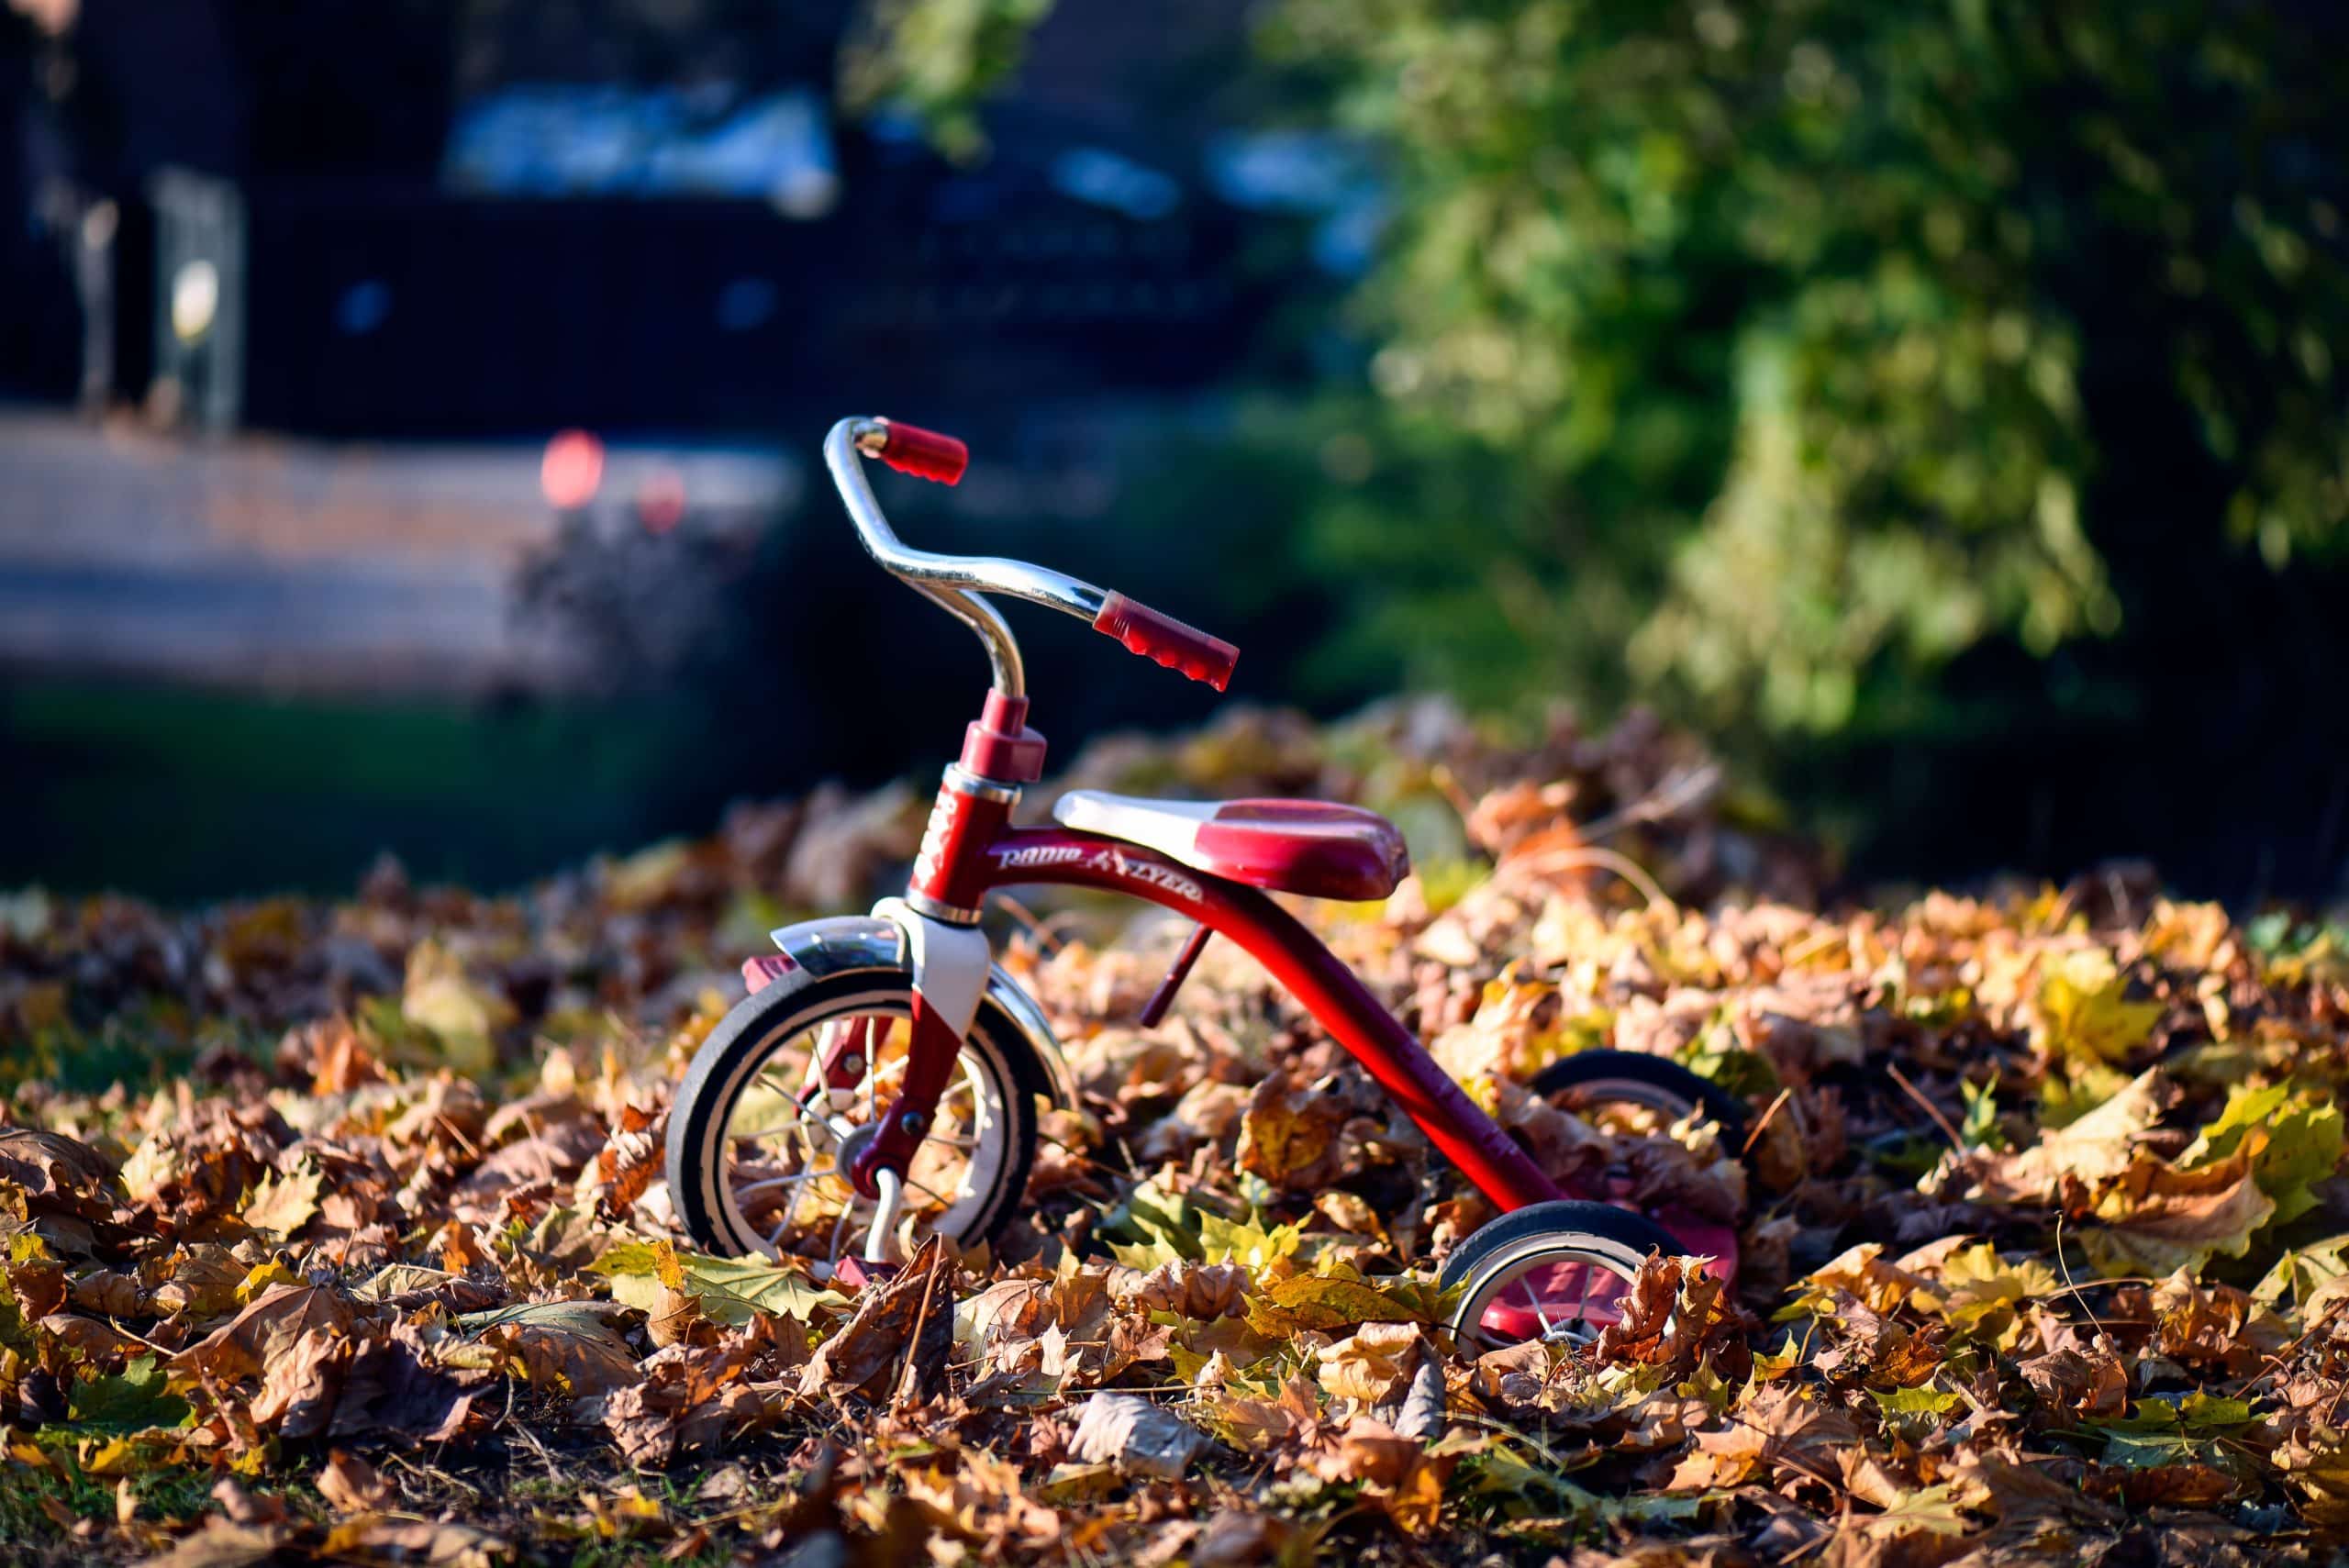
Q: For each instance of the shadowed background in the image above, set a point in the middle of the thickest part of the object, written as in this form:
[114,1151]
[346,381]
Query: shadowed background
[412,410]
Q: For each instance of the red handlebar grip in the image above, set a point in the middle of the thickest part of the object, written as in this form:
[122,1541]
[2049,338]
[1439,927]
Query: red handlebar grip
[1162,637]
[925,454]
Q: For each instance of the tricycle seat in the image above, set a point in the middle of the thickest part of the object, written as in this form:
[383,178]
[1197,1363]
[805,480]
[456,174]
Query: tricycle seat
[1317,849]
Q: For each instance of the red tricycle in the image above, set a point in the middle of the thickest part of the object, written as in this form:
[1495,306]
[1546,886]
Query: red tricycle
[882,1081]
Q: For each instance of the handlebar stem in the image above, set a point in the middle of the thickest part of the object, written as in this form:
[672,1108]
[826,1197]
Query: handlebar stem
[953,582]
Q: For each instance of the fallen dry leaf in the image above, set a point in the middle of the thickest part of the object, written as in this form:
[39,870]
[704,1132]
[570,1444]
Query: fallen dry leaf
[1138,1437]
[2081,1263]
[350,1484]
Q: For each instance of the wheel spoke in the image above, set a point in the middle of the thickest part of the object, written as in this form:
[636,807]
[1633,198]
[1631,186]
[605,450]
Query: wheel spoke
[776,1162]
[912,1185]
[770,1183]
[789,1096]
[1526,1281]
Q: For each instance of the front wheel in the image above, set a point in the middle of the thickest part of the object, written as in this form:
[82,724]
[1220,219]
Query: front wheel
[1556,1271]
[759,1142]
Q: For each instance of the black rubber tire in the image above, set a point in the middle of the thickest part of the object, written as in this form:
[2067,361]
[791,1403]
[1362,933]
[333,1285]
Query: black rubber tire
[766,1019]
[1617,1236]
[1666,1079]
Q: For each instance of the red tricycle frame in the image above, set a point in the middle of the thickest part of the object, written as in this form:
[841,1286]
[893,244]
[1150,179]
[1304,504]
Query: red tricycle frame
[1330,990]
[971,848]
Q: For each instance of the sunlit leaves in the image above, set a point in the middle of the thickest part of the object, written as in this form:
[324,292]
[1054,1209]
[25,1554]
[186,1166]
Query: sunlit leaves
[1982,1295]
[134,1399]
[2038,1282]
[2308,1277]
[2293,1141]
[456,1011]
[729,1290]
[1324,1304]
[2083,1012]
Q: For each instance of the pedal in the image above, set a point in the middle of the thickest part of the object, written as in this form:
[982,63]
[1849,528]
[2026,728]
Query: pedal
[1154,1012]
[856,1273]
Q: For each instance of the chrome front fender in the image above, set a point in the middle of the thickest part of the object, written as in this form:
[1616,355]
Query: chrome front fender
[848,944]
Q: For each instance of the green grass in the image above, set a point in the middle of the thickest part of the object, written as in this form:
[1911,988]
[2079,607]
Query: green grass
[515,1509]
[187,793]
[162,1495]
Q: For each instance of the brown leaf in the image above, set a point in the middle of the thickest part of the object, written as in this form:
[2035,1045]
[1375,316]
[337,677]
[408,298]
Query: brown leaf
[374,1539]
[1290,1135]
[1395,1472]
[1203,1291]
[283,1204]
[1780,1432]
[222,1543]
[39,1284]
[60,1170]
[242,1508]
[266,1332]
[2092,1150]
[539,1163]
[629,1160]
[1638,1334]
[302,1387]
[1137,1436]
[563,1347]
[86,1337]
[1372,1365]
[349,1484]
[861,1358]
[1514,1374]
[331,1054]
[201,1281]
[2077,1386]
[109,1292]
[676,1317]
[394,1385]
[1241,1537]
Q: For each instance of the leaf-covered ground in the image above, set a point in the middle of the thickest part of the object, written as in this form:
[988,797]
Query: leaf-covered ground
[337,1228]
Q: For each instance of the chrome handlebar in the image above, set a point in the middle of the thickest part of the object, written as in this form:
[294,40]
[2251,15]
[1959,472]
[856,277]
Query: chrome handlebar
[953,582]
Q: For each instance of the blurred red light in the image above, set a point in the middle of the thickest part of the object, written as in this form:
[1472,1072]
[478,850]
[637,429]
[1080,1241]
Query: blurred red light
[661,499]
[572,470]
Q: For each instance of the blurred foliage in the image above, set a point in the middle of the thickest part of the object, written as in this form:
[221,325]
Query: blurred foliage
[937,59]
[1771,321]
[1750,357]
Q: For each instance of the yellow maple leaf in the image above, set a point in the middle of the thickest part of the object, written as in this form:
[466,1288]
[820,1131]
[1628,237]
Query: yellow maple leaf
[2082,1011]
[1981,1294]
[283,1204]
[460,1012]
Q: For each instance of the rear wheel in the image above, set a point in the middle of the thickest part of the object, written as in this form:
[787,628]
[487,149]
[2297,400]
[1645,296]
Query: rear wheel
[1555,1271]
[1630,1091]
[759,1142]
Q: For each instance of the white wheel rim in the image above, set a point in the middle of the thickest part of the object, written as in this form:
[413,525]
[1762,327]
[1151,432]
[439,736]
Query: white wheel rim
[977,1096]
[1508,1268]
[1600,1092]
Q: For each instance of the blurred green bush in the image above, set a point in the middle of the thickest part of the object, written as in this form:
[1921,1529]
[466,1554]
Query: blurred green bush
[1773,319]
[1827,370]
